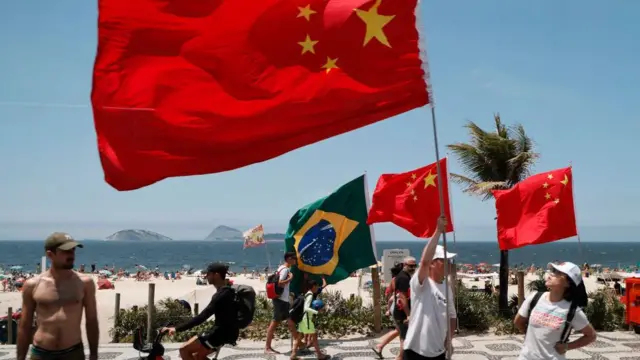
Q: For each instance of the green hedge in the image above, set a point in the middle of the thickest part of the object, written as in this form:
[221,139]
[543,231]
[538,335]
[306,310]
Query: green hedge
[477,313]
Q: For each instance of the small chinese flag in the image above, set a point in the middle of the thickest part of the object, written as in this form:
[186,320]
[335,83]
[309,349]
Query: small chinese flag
[411,200]
[189,87]
[537,210]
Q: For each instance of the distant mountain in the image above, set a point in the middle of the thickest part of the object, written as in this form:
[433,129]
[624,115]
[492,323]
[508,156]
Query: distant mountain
[226,233]
[274,236]
[137,235]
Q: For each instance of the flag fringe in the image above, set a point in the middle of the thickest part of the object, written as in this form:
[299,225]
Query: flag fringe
[422,45]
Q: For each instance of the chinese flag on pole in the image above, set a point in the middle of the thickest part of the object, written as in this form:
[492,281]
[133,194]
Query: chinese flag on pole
[537,210]
[411,200]
[188,87]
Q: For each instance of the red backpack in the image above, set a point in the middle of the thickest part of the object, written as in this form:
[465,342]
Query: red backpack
[273,290]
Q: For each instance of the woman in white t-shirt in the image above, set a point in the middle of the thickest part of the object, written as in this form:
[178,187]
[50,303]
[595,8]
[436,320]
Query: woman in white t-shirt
[546,327]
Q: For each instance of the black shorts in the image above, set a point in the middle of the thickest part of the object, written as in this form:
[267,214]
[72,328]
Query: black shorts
[219,336]
[412,355]
[402,328]
[280,310]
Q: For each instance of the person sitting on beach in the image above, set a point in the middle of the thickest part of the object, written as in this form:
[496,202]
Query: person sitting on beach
[225,328]
[281,304]
[58,297]
[306,327]
[545,321]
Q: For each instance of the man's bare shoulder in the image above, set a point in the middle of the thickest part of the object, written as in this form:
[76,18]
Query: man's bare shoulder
[87,280]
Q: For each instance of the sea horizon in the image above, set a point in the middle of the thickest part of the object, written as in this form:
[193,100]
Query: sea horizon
[173,255]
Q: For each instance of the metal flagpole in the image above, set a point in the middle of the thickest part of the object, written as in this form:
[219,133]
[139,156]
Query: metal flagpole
[574,212]
[444,234]
[455,248]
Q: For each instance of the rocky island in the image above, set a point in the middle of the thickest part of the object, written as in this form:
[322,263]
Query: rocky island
[137,235]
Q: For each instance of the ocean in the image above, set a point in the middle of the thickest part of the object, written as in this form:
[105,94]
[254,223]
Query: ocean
[175,254]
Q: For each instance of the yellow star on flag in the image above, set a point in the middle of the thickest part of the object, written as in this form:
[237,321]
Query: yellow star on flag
[375,22]
[413,176]
[556,201]
[430,180]
[306,12]
[547,196]
[308,44]
[550,176]
[331,64]
[545,185]
[565,181]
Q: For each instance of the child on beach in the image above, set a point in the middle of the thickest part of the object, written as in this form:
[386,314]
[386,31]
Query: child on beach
[306,327]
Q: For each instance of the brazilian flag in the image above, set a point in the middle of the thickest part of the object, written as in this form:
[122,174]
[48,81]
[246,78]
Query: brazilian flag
[331,237]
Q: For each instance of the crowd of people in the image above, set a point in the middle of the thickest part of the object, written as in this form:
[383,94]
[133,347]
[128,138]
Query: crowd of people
[420,301]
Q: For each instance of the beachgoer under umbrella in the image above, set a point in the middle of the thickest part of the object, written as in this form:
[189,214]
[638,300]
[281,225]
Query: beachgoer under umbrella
[547,317]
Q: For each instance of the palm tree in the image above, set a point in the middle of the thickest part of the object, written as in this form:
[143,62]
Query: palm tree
[495,160]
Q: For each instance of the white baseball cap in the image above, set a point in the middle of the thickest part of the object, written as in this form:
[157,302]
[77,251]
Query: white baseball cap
[570,269]
[440,253]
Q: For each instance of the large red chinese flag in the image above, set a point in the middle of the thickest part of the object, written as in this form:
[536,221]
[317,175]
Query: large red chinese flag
[411,200]
[186,87]
[537,210]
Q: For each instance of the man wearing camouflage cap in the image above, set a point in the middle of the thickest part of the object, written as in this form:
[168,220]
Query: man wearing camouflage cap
[58,297]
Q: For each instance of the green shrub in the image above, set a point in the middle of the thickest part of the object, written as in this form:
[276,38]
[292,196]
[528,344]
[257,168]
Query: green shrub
[341,316]
[168,311]
[475,309]
[477,312]
[604,311]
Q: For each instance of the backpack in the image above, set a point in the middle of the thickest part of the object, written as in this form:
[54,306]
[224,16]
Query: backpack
[273,289]
[566,332]
[297,309]
[246,302]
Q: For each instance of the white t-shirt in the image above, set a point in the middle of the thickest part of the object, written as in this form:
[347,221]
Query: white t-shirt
[284,273]
[428,321]
[545,327]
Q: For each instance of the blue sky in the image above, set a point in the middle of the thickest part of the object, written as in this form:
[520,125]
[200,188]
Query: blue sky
[566,70]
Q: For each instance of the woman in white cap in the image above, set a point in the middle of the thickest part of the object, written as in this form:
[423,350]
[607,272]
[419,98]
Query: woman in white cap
[548,317]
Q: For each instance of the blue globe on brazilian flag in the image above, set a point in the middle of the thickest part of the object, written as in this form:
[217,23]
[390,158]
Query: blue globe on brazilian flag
[331,236]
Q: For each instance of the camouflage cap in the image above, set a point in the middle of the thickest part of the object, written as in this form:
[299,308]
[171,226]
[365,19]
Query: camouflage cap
[62,241]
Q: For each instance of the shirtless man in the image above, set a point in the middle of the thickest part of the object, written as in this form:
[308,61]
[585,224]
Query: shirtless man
[57,297]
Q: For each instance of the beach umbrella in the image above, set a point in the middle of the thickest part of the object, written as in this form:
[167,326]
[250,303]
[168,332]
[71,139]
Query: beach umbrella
[105,272]
[16,267]
[141,267]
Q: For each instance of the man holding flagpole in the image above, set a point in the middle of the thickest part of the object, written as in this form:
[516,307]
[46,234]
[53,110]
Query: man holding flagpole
[429,336]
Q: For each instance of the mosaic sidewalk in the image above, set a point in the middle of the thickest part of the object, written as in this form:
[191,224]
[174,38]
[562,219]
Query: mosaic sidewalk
[609,346]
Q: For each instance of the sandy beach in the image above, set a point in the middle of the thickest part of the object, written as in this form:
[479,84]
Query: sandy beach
[134,292]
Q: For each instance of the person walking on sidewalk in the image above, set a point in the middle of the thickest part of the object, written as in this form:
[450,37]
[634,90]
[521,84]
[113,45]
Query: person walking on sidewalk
[427,336]
[281,304]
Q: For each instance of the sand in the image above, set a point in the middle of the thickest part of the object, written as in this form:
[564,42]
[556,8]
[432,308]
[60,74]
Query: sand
[136,293]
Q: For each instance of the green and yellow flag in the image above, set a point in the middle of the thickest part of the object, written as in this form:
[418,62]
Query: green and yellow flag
[331,236]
